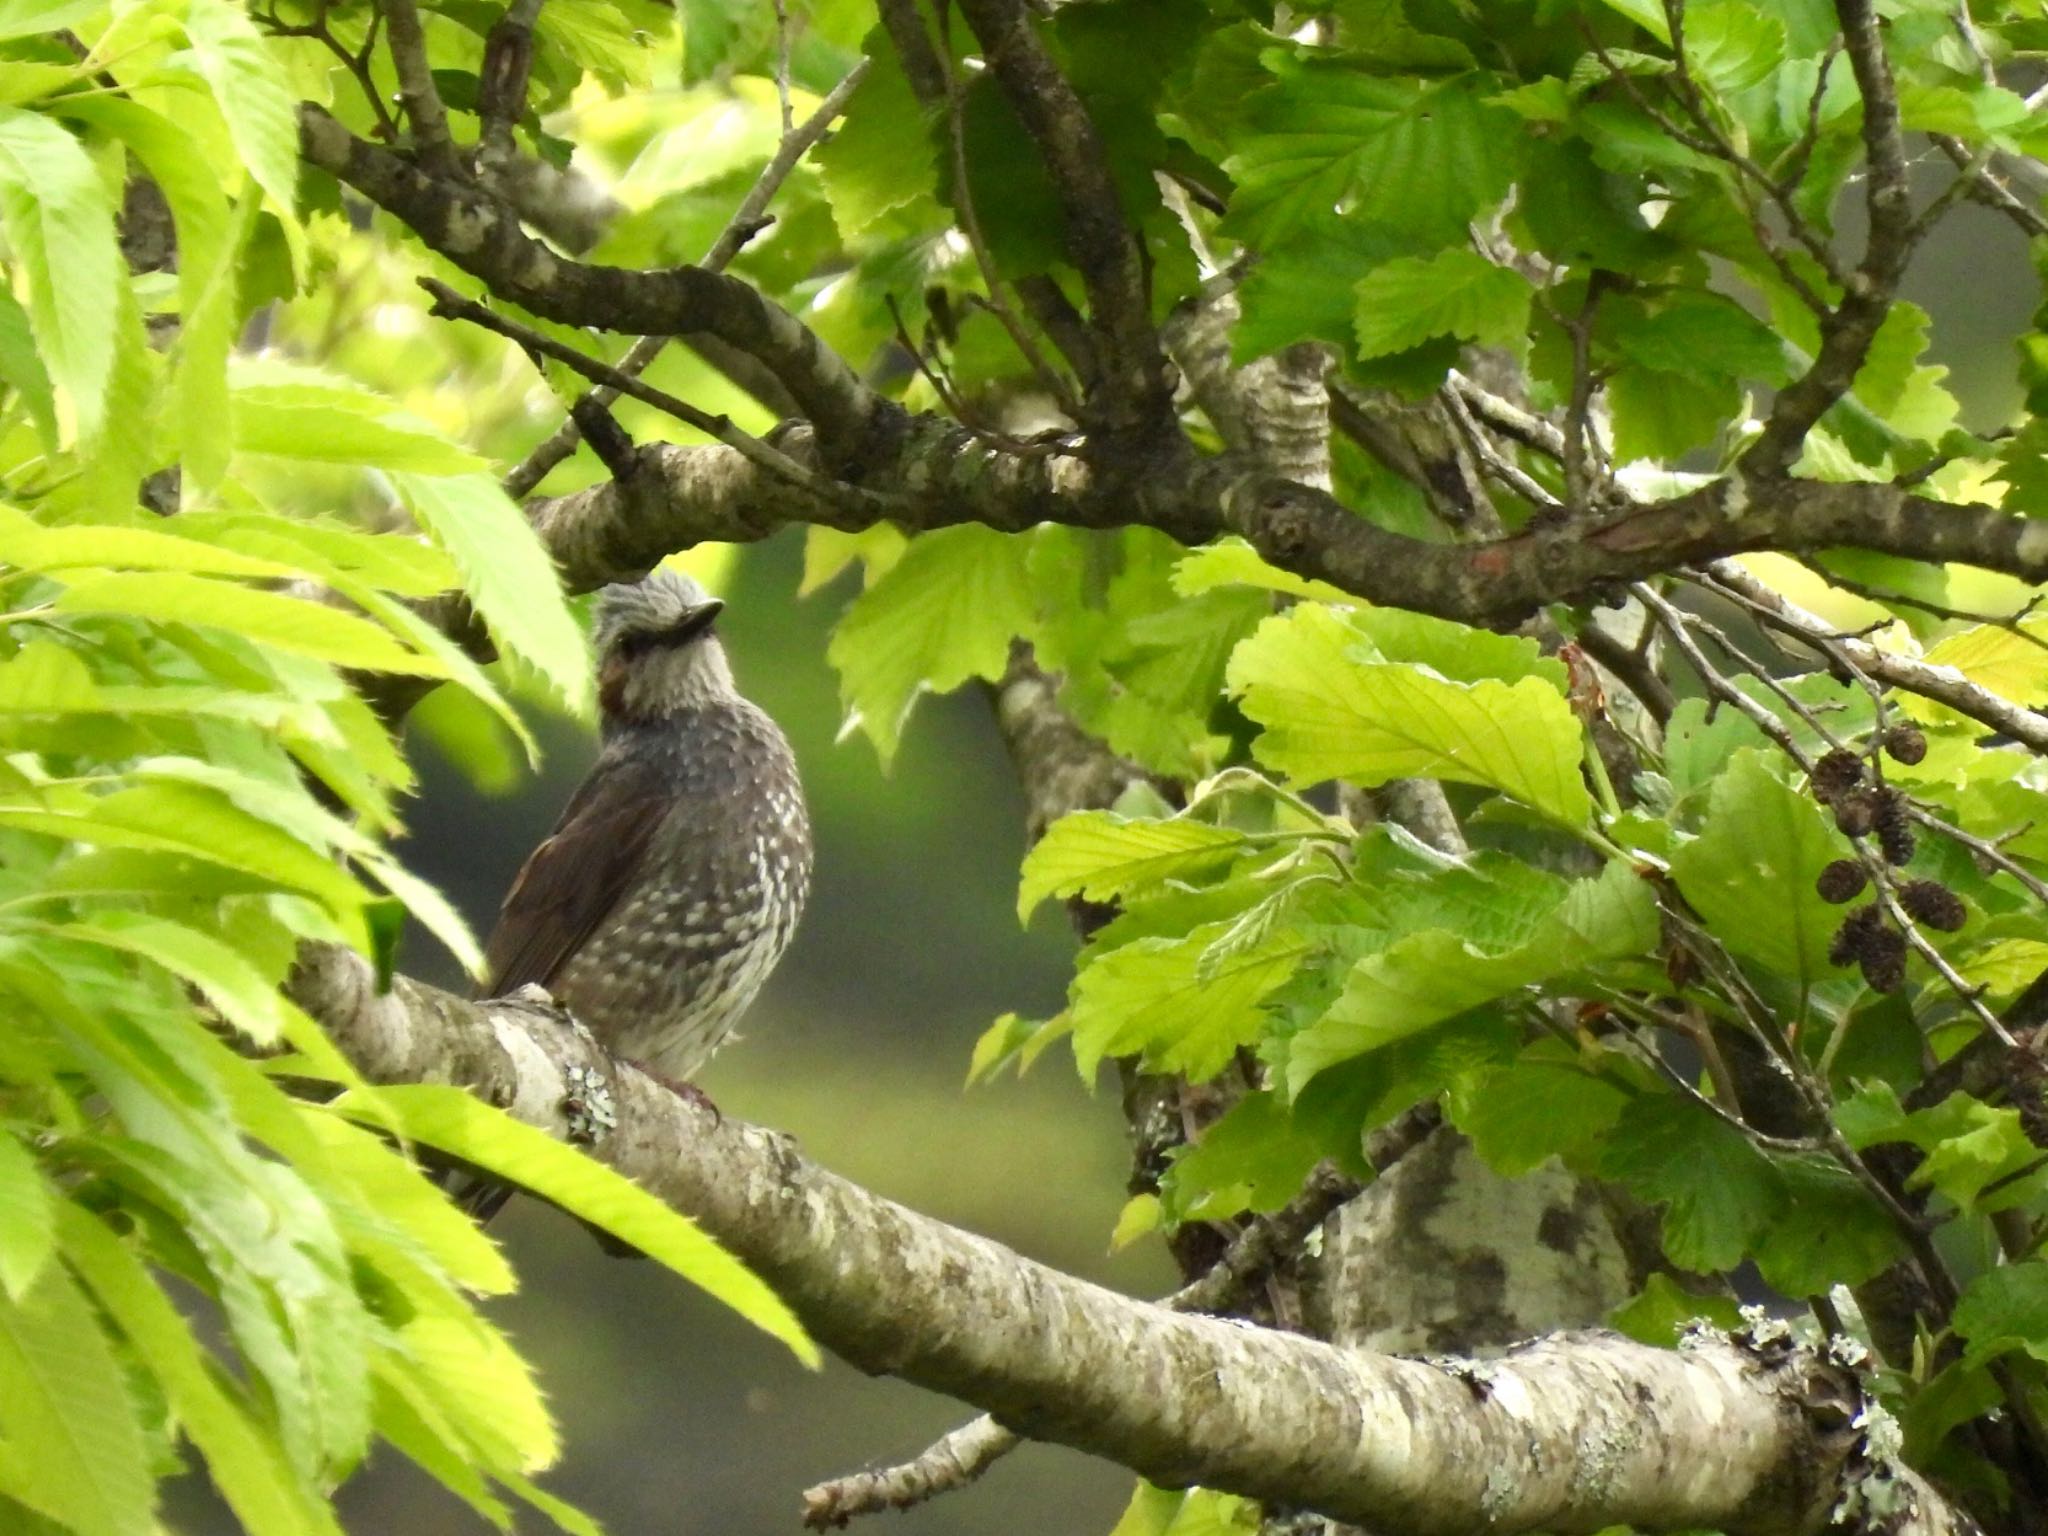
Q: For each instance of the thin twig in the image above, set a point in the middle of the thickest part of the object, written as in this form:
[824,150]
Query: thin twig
[852,498]
[970,226]
[417,92]
[744,224]
[1864,660]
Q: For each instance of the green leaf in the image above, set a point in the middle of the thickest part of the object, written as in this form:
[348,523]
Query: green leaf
[26,18]
[1457,293]
[1647,14]
[452,1121]
[1718,1192]
[60,225]
[253,94]
[882,159]
[1329,716]
[1750,873]
[1829,1231]
[1437,974]
[326,426]
[244,1462]
[508,574]
[1664,1308]
[1154,997]
[27,1218]
[1253,1159]
[1456,651]
[1418,158]
[1546,1104]
[245,997]
[2006,1308]
[1695,333]
[1233,562]
[293,624]
[22,370]
[1100,856]
[68,1412]
[200,823]
[945,612]
[201,405]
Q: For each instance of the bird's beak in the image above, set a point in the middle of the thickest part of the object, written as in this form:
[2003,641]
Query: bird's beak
[698,619]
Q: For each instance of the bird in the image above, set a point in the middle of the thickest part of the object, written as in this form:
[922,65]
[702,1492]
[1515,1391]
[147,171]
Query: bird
[670,888]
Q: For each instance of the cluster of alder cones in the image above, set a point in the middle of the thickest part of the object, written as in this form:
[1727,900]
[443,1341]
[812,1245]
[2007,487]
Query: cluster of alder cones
[1864,807]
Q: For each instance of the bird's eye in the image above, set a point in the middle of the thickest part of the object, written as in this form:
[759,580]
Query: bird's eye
[638,642]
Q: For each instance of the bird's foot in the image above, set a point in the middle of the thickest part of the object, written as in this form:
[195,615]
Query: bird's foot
[689,1093]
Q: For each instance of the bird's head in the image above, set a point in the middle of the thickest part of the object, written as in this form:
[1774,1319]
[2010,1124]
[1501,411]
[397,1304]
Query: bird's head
[657,652]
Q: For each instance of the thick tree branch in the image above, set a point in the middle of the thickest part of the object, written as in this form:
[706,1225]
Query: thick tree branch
[950,477]
[947,476]
[1567,1434]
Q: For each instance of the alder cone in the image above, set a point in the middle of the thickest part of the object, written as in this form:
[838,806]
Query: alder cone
[1856,812]
[1894,830]
[1842,881]
[1883,960]
[1905,744]
[1933,905]
[1835,775]
[1855,934]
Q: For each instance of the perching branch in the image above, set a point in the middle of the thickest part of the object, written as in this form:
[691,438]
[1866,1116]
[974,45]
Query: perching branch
[1573,1433]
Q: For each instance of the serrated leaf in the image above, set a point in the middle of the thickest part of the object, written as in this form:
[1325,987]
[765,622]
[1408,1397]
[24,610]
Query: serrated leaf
[290,623]
[27,1218]
[316,427]
[883,158]
[201,824]
[1437,974]
[452,1121]
[60,226]
[1457,293]
[507,573]
[1546,1104]
[1419,158]
[68,1412]
[2005,1308]
[1829,1231]
[1100,856]
[1662,1310]
[1252,1159]
[1329,716]
[1149,998]
[1233,562]
[942,614]
[253,94]
[1750,873]
[245,997]
[244,1463]
[1718,1192]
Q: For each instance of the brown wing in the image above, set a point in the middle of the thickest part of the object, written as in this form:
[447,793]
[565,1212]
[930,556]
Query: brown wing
[578,875]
